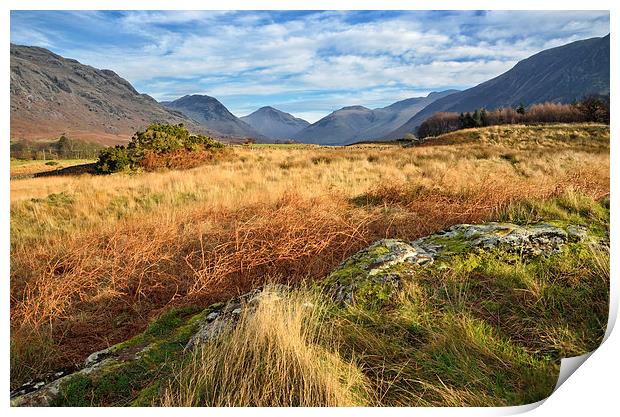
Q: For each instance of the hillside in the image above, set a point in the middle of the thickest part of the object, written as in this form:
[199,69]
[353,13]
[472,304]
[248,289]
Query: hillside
[210,112]
[356,123]
[52,95]
[561,74]
[275,124]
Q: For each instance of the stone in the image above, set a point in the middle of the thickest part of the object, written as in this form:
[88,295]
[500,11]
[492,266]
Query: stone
[377,269]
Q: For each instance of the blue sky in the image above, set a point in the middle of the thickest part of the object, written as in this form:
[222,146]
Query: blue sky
[306,63]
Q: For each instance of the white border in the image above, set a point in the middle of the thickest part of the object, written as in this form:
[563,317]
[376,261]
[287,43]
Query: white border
[592,390]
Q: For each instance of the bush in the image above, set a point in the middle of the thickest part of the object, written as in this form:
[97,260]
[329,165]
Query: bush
[113,160]
[157,139]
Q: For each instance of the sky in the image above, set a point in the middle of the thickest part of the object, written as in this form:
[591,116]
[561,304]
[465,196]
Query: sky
[308,63]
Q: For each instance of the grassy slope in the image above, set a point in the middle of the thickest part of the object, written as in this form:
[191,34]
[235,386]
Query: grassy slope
[93,259]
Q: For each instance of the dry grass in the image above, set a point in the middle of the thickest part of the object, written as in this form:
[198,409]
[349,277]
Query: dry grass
[271,358]
[94,258]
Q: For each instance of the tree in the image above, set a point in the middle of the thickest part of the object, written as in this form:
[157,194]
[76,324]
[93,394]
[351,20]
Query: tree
[594,109]
[114,159]
[157,139]
[521,109]
[477,122]
[484,120]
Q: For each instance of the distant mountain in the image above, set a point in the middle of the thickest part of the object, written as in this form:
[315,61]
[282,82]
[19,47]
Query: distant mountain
[275,124]
[561,74]
[355,123]
[210,112]
[51,95]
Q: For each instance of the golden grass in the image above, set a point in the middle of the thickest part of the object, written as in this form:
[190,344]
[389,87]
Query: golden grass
[94,258]
[271,358]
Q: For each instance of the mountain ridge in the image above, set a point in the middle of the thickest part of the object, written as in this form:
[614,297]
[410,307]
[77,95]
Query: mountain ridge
[561,74]
[52,95]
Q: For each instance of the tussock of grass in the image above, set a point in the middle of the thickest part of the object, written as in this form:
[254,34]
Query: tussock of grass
[271,358]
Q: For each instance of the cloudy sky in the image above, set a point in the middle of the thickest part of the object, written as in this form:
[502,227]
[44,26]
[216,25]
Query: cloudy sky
[305,63]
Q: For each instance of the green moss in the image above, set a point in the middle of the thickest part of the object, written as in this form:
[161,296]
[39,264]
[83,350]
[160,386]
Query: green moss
[159,349]
[74,392]
[373,295]
[356,267]
[148,395]
[451,245]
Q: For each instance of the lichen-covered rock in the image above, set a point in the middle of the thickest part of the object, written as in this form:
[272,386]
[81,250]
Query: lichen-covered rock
[108,376]
[534,240]
[370,277]
[225,317]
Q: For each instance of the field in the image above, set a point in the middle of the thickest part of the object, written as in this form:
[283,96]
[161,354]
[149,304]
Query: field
[96,259]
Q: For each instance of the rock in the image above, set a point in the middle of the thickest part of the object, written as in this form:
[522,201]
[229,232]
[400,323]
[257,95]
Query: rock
[370,277]
[227,317]
[539,239]
[577,232]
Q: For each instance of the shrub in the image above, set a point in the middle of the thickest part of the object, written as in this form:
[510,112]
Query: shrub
[158,139]
[113,160]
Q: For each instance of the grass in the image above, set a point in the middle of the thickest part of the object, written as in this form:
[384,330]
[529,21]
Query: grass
[24,168]
[95,259]
[275,349]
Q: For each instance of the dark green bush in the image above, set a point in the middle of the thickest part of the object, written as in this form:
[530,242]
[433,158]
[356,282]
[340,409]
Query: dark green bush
[113,160]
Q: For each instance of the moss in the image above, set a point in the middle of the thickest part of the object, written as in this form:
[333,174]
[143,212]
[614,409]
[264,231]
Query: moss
[74,392]
[124,380]
[451,245]
[356,267]
[373,295]
[147,396]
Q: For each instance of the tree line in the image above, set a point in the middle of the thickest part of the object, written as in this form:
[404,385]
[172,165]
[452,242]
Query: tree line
[592,108]
[62,148]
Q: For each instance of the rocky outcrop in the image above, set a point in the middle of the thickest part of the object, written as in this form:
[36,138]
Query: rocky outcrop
[368,279]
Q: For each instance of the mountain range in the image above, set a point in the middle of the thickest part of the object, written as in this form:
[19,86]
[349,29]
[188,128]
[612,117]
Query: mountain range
[52,95]
[355,123]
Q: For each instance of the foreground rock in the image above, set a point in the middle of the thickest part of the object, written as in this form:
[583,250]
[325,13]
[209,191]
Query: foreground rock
[367,279]
[370,277]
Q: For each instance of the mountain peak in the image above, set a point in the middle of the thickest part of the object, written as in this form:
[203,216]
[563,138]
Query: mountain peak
[211,112]
[275,123]
[356,108]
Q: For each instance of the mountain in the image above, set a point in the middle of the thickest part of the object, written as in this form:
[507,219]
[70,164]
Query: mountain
[52,95]
[210,112]
[561,74]
[275,124]
[355,123]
